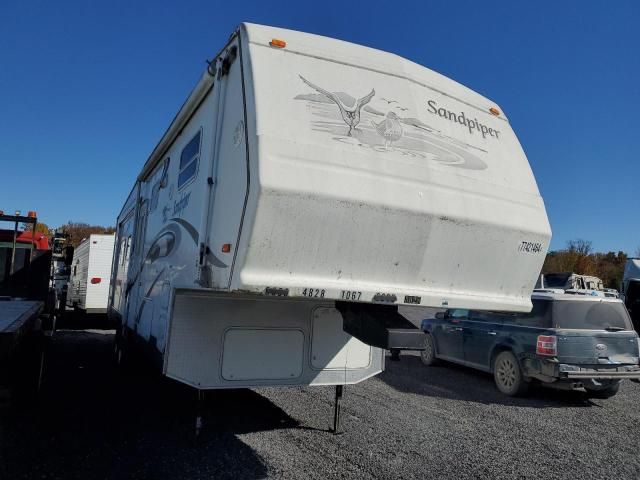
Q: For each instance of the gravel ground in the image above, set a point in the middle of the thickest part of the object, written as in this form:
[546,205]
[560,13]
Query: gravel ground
[92,422]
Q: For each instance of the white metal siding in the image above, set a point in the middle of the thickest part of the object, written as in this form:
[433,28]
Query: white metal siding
[99,266]
[226,341]
[76,291]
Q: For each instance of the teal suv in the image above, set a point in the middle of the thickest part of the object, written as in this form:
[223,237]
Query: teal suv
[566,341]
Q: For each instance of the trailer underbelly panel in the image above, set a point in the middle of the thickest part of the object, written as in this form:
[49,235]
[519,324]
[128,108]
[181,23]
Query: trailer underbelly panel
[231,341]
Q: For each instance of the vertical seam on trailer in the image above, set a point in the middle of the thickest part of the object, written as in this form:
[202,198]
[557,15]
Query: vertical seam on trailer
[167,340]
[246,142]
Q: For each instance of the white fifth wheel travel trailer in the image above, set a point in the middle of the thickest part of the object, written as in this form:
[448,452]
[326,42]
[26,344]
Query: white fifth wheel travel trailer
[306,189]
[88,287]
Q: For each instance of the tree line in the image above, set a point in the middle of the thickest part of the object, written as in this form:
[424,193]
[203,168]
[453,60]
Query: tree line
[76,230]
[579,257]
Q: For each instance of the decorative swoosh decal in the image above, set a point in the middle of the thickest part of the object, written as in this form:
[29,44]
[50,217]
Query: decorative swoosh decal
[194,235]
[164,244]
[142,304]
[191,230]
[215,260]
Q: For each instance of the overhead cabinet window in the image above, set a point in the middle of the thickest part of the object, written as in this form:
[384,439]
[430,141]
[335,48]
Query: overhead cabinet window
[189,160]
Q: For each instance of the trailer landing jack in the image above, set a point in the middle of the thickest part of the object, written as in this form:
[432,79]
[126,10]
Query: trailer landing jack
[336,410]
[199,410]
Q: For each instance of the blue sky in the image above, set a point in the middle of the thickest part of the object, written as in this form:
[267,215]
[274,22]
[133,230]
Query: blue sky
[87,88]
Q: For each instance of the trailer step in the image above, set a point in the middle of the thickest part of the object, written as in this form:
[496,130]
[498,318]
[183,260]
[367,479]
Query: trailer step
[380,326]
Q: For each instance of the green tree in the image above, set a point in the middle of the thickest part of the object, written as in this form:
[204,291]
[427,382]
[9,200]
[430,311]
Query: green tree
[40,228]
[579,257]
[78,231]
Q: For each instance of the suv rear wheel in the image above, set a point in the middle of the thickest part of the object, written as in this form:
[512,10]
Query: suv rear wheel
[508,376]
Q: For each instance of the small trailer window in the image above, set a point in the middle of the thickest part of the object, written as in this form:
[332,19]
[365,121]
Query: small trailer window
[189,160]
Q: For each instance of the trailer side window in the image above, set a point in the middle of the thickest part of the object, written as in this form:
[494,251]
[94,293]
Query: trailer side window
[189,160]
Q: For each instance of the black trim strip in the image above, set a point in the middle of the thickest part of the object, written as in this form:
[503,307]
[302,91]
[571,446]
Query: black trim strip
[246,142]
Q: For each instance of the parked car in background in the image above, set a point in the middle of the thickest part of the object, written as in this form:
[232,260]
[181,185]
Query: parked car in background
[566,341]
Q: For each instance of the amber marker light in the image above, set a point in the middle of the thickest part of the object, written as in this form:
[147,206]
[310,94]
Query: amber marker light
[226,248]
[494,111]
[275,42]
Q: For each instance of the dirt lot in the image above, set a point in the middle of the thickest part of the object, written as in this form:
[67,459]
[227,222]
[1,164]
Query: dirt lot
[91,422]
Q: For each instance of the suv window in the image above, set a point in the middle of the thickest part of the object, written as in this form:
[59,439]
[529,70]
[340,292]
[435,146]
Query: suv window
[539,316]
[457,313]
[556,280]
[590,315]
[481,316]
[491,317]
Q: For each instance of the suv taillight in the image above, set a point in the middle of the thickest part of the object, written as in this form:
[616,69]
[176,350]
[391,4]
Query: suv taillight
[547,345]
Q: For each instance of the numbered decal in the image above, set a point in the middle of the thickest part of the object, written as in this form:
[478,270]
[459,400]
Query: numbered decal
[350,295]
[530,247]
[313,293]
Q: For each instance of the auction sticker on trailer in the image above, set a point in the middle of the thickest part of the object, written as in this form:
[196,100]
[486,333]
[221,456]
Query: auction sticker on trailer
[530,247]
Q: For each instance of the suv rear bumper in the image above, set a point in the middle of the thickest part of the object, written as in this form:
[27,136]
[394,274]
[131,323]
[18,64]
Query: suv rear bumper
[549,371]
[615,373]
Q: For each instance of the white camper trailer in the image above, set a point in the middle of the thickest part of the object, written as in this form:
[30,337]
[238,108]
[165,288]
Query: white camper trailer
[88,287]
[306,189]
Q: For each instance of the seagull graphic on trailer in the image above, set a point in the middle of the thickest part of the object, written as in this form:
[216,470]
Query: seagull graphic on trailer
[350,115]
[390,129]
[406,136]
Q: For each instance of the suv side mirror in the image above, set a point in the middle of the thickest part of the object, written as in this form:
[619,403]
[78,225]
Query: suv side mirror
[441,315]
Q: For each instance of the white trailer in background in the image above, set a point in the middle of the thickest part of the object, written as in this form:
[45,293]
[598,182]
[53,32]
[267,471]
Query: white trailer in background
[306,189]
[88,288]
